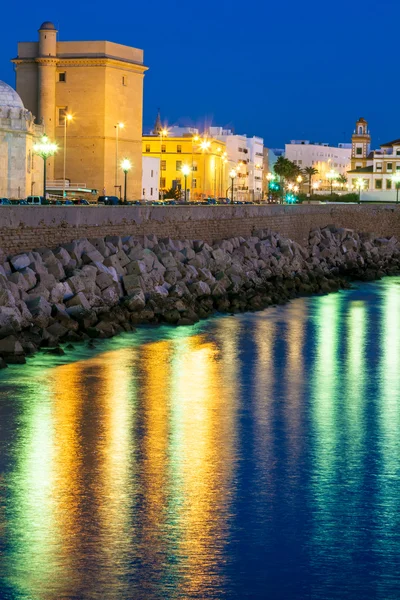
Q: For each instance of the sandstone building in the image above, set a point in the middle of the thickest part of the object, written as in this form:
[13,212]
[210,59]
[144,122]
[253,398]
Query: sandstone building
[100,84]
[21,172]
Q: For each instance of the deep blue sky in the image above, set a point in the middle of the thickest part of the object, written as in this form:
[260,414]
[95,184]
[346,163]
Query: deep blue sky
[282,70]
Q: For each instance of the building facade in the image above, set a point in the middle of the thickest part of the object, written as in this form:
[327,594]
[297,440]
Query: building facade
[321,156]
[204,156]
[375,169]
[21,172]
[246,156]
[150,178]
[100,84]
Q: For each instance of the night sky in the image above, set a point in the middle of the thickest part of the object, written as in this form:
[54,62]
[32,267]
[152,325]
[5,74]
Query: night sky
[281,70]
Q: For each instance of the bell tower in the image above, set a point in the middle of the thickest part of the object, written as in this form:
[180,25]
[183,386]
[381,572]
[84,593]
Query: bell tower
[360,144]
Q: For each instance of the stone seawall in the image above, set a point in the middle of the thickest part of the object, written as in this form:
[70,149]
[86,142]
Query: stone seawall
[23,228]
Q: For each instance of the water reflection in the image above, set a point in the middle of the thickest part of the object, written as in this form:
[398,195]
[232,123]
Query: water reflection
[242,457]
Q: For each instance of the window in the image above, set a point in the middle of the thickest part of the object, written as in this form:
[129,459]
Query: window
[179,148]
[163,165]
[151,173]
[194,183]
[163,148]
[379,166]
[360,130]
[358,151]
[62,76]
[300,162]
[378,184]
[388,184]
[178,165]
[397,151]
[144,193]
[295,162]
[124,80]
[147,147]
[162,182]
[151,191]
[397,167]
[61,114]
[194,166]
[389,167]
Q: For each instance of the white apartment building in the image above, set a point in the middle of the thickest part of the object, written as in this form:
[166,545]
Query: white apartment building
[150,178]
[245,155]
[321,156]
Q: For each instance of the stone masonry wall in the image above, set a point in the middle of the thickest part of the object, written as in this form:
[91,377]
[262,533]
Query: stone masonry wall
[23,228]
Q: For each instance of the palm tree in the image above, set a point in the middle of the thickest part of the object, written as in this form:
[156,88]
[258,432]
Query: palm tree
[310,172]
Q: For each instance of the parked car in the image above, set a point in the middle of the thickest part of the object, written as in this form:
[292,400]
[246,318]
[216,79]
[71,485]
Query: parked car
[108,200]
[36,200]
[5,202]
[23,203]
[82,202]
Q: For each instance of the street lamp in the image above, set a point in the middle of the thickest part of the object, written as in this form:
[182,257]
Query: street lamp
[126,165]
[232,175]
[67,117]
[45,149]
[117,126]
[360,186]
[331,176]
[163,133]
[205,144]
[299,179]
[185,172]
[396,180]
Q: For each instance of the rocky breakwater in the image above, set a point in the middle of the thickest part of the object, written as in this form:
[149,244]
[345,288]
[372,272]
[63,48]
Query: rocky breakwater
[97,288]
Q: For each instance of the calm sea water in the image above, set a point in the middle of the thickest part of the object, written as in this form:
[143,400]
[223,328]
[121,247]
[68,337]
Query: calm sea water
[254,456]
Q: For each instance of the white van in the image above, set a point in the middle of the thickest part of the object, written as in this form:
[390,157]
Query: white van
[36,200]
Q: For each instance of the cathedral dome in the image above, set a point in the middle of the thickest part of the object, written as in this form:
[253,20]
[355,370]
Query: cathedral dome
[9,97]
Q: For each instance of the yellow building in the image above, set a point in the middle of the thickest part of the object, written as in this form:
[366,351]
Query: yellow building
[205,157]
[101,85]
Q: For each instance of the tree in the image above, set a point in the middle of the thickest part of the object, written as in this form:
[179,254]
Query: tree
[342,179]
[172,194]
[286,169]
[310,172]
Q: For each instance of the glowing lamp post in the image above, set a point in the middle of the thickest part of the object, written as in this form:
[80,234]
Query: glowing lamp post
[396,181]
[163,133]
[185,172]
[359,186]
[299,180]
[232,175]
[331,176]
[45,149]
[67,118]
[126,165]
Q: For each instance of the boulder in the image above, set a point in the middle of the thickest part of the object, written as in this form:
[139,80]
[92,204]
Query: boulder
[20,261]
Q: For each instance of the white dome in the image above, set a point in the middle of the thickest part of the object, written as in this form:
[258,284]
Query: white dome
[9,97]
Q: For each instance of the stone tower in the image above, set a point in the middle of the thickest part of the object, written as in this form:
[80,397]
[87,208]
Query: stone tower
[100,83]
[360,144]
[47,64]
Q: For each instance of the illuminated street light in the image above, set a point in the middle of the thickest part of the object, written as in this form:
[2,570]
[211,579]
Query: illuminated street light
[299,179]
[232,175]
[295,189]
[45,149]
[331,176]
[117,126]
[396,180]
[270,176]
[163,133]
[126,165]
[67,118]
[185,170]
[359,186]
